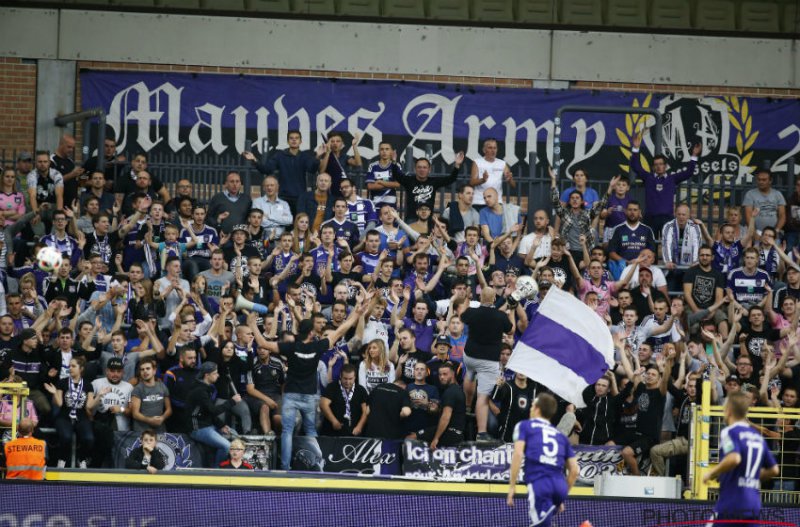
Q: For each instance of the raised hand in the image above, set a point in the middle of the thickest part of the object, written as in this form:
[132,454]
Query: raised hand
[459,159]
[636,142]
[249,156]
[407,293]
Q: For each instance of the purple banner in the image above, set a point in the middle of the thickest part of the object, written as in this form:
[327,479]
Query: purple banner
[76,505]
[231,113]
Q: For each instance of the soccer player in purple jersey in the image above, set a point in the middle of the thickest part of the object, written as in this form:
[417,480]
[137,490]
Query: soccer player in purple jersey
[547,453]
[745,461]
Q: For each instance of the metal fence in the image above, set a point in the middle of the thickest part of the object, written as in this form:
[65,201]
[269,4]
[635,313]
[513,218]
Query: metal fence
[777,425]
[708,198]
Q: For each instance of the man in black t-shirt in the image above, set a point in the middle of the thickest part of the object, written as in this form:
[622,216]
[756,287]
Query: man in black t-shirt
[704,286]
[409,354]
[389,404]
[683,400]
[756,338]
[450,429]
[344,406]
[7,343]
[62,161]
[515,399]
[300,391]
[650,395]
[487,325]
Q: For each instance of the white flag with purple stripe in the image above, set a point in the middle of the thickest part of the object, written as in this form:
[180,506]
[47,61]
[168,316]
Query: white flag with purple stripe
[566,347]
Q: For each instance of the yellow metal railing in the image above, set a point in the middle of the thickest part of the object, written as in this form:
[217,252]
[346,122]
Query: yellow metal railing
[773,423]
[18,392]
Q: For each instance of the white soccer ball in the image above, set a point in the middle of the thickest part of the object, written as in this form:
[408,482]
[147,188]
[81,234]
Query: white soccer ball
[526,288]
[49,259]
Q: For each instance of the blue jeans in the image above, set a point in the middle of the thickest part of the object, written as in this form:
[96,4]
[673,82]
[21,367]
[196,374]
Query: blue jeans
[293,403]
[209,436]
[792,239]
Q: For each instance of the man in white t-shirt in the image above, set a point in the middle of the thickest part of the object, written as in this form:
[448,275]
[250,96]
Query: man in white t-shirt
[110,405]
[540,233]
[489,172]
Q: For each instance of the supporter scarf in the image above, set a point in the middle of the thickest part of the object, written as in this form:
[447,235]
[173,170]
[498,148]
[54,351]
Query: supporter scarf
[347,396]
[74,392]
[150,259]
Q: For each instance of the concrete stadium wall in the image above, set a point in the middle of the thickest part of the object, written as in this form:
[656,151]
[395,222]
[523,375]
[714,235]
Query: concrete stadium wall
[38,68]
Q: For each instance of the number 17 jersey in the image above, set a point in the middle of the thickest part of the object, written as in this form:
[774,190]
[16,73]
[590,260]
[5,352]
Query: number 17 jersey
[546,449]
[739,488]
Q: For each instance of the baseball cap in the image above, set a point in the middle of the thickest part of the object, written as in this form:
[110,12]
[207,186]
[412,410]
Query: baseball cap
[27,333]
[733,378]
[240,227]
[443,339]
[645,268]
[512,271]
[206,368]
[24,156]
[114,363]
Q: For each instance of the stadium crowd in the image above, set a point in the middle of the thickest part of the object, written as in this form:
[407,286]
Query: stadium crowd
[329,311]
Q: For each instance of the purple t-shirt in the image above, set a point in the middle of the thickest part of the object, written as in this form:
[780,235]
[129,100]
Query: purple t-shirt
[423,332]
[618,206]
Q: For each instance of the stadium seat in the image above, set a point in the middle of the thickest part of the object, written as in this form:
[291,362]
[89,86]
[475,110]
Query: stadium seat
[675,14]
[403,8]
[582,12]
[448,10]
[180,4]
[314,7]
[715,15]
[789,22]
[535,12]
[359,8]
[223,5]
[760,16]
[492,11]
[626,13]
[132,3]
[268,6]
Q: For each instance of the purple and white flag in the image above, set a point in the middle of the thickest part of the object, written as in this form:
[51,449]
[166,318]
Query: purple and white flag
[566,347]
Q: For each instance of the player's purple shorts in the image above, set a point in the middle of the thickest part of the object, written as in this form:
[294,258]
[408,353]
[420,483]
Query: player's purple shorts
[544,498]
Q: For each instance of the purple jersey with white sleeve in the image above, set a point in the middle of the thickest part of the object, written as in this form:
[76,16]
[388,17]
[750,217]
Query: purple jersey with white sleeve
[204,236]
[748,289]
[739,488]
[361,212]
[377,173]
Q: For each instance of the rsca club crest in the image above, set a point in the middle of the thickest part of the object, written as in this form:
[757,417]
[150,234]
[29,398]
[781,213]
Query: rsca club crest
[723,126]
[174,447]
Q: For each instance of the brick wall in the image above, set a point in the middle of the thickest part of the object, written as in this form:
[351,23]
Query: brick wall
[17,104]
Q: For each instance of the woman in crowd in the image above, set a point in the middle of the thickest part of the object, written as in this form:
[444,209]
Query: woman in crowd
[375,369]
[69,398]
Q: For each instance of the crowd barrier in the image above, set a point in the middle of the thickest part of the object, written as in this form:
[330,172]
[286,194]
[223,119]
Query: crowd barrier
[779,426]
[100,500]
